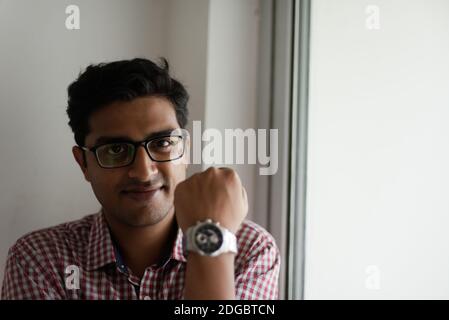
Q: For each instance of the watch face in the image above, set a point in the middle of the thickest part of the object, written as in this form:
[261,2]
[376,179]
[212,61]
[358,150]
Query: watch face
[208,238]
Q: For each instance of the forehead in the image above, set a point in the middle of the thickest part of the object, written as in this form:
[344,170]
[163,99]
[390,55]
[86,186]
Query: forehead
[135,119]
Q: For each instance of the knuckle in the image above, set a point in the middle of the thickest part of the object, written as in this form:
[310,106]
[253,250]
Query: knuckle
[211,169]
[233,176]
[228,172]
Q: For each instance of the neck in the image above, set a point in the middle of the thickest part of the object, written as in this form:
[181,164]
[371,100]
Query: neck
[142,247]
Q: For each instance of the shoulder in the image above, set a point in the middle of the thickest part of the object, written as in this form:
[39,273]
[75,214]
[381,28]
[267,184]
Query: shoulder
[257,264]
[250,233]
[254,241]
[60,240]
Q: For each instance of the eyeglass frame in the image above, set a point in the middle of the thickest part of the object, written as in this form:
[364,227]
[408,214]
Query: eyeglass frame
[183,135]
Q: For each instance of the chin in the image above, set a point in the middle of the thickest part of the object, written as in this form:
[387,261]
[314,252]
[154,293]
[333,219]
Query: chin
[146,217]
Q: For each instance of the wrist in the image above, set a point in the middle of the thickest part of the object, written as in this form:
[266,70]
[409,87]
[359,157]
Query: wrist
[232,227]
[210,277]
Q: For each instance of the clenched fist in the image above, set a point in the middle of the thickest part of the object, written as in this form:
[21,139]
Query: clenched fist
[216,194]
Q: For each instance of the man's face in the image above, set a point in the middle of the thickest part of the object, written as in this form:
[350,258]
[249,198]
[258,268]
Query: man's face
[136,120]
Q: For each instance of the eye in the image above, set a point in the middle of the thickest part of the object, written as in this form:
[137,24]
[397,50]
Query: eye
[164,143]
[116,149]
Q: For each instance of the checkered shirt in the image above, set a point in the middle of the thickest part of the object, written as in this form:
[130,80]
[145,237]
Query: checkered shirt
[78,260]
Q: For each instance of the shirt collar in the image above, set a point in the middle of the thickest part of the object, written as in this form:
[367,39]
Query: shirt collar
[101,250]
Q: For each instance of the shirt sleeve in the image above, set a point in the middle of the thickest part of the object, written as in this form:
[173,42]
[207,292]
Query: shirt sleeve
[257,278]
[25,278]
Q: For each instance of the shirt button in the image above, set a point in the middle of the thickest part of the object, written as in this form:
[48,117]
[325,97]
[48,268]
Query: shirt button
[146,298]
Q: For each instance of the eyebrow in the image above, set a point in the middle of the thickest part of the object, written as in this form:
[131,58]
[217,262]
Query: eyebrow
[108,139]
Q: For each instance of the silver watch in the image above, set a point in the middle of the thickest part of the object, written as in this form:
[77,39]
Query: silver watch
[208,238]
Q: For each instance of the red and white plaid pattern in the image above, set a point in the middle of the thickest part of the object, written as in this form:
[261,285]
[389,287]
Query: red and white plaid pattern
[37,263]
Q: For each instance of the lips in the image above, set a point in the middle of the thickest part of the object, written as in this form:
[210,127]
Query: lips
[141,190]
[142,194]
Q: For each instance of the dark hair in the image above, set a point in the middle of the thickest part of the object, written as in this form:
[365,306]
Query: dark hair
[105,83]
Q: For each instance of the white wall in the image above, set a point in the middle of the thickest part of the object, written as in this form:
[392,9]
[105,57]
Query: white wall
[213,48]
[231,85]
[378,179]
[187,31]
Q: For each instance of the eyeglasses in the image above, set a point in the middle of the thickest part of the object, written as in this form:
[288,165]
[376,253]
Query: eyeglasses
[164,148]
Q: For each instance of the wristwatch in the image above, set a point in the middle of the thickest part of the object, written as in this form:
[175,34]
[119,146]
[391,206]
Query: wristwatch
[208,238]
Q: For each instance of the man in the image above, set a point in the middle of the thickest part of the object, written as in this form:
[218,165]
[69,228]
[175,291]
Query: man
[158,235]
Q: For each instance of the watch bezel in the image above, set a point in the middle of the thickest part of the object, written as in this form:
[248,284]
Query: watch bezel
[212,235]
[228,243]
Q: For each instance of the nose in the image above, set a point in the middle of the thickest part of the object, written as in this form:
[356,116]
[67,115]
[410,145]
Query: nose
[143,167]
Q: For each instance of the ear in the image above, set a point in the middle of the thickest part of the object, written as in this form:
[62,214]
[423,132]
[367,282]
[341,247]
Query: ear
[78,155]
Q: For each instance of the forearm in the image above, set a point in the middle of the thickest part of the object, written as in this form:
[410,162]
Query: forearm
[210,277]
